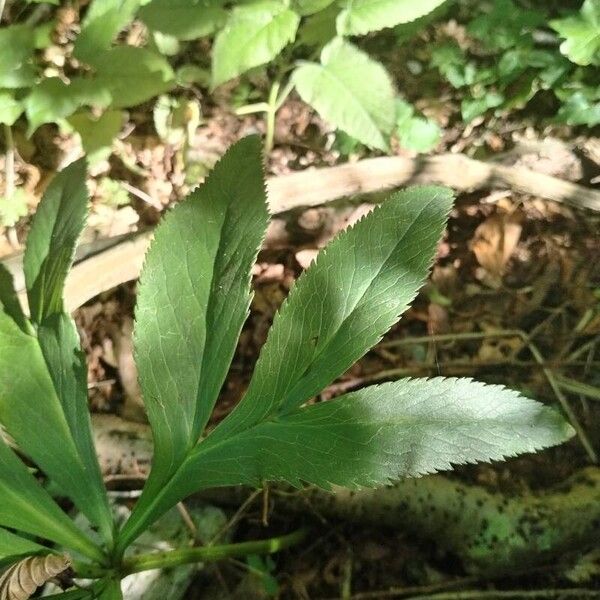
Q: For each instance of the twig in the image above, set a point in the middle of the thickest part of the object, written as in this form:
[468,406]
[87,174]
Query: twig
[141,195]
[236,517]
[577,387]
[187,519]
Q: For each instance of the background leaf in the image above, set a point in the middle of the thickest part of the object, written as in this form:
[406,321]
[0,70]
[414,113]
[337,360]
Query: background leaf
[103,21]
[97,133]
[132,75]
[363,16]
[10,109]
[414,132]
[351,90]
[343,303]
[16,66]
[582,34]
[13,207]
[254,35]
[184,19]
[52,100]
[310,7]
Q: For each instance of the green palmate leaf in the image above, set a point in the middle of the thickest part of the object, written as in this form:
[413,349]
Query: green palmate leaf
[132,75]
[57,387]
[27,507]
[360,17]
[13,547]
[103,21]
[97,133]
[184,19]
[10,109]
[193,298]
[357,289]
[339,308]
[16,66]
[51,243]
[351,90]
[254,35]
[582,34]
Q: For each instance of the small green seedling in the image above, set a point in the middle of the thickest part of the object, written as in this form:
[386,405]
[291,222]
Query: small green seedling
[194,295]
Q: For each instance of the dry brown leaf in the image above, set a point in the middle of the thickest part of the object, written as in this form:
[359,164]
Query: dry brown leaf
[494,242]
[23,578]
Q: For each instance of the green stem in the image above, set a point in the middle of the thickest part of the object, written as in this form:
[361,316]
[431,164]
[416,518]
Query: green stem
[271,112]
[185,556]
[250,109]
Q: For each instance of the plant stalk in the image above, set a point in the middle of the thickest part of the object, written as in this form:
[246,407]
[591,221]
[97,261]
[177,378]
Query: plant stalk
[185,556]
[271,112]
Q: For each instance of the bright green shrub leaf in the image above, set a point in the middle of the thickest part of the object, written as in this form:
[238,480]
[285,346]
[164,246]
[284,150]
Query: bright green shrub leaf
[363,16]
[16,65]
[582,34]
[14,547]
[10,109]
[13,207]
[254,35]
[97,133]
[193,298]
[184,19]
[51,243]
[343,304]
[27,507]
[132,75]
[351,90]
[472,108]
[103,21]
[415,133]
[505,25]
[310,7]
[52,100]
[581,107]
[374,436]
[318,29]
